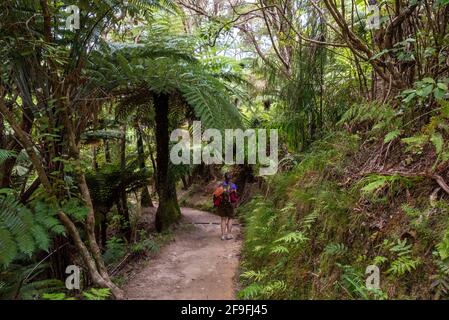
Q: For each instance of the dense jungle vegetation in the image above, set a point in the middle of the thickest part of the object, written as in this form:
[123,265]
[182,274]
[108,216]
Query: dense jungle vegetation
[91,90]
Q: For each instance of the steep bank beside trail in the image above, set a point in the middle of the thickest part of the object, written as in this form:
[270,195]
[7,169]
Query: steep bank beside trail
[354,200]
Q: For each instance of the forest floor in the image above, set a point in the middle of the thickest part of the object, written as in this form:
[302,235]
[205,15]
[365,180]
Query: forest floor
[196,265]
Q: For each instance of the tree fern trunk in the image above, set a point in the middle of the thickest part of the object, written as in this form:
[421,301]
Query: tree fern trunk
[145,200]
[168,211]
[107,151]
[123,195]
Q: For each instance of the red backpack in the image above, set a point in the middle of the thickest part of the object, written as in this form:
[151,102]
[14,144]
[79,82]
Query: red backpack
[221,195]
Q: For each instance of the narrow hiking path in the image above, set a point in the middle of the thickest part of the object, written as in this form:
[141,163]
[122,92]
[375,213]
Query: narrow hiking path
[196,265]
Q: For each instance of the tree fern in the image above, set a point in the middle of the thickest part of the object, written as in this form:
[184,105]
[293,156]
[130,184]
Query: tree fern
[163,69]
[146,5]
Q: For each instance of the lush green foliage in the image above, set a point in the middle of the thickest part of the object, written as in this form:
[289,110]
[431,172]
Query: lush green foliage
[314,234]
[22,231]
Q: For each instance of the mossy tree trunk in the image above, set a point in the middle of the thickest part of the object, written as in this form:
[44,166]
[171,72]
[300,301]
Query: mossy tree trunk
[168,211]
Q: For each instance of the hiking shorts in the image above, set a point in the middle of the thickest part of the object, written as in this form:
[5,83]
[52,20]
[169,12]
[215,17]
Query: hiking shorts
[226,210]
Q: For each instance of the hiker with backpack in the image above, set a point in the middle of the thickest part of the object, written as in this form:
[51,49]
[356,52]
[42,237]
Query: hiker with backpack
[225,199]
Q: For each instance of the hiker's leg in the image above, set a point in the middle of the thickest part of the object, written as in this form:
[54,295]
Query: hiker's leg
[223,226]
[229,225]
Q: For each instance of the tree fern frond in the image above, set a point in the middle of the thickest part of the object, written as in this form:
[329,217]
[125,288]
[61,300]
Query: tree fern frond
[21,231]
[6,154]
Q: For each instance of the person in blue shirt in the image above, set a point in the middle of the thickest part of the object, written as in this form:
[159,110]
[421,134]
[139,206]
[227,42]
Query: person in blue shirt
[226,206]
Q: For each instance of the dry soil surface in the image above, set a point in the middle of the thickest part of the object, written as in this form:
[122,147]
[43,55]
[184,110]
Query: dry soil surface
[196,265]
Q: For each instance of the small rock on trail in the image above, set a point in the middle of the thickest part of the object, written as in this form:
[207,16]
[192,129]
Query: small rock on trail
[197,265]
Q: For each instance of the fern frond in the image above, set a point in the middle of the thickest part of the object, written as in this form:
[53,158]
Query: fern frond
[6,154]
[335,249]
[293,237]
[21,231]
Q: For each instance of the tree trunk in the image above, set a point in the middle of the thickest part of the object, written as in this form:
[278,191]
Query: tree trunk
[7,167]
[123,196]
[168,211]
[99,274]
[90,262]
[145,200]
[94,157]
[107,151]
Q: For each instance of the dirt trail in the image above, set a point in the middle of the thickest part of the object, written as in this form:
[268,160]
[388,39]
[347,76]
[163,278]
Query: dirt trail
[197,265]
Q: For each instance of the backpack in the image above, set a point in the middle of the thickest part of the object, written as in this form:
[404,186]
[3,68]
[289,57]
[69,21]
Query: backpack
[233,197]
[217,196]
[223,196]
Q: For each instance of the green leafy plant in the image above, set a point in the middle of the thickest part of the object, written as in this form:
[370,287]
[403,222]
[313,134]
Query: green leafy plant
[353,283]
[403,265]
[21,231]
[296,237]
[27,281]
[440,280]
[6,154]
[56,296]
[424,89]
[443,246]
[97,294]
[403,262]
[261,287]
[335,249]
[145,244]
[116,248]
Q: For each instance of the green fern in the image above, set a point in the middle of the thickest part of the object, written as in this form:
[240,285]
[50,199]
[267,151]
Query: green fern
[353,283]
[56,296]
[25,281]
[379,260]
[279,249]
[335,249]
[36,289]
[296,237]
[21,231]
[443,246]
[400,247]
[6,154]
[440,280]
[250,292]
[273,288]
[309,220]
[404,262]
[97,294]
[254,275]
[403,265]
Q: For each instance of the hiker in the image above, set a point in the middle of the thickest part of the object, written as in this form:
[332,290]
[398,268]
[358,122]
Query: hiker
[225,200]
